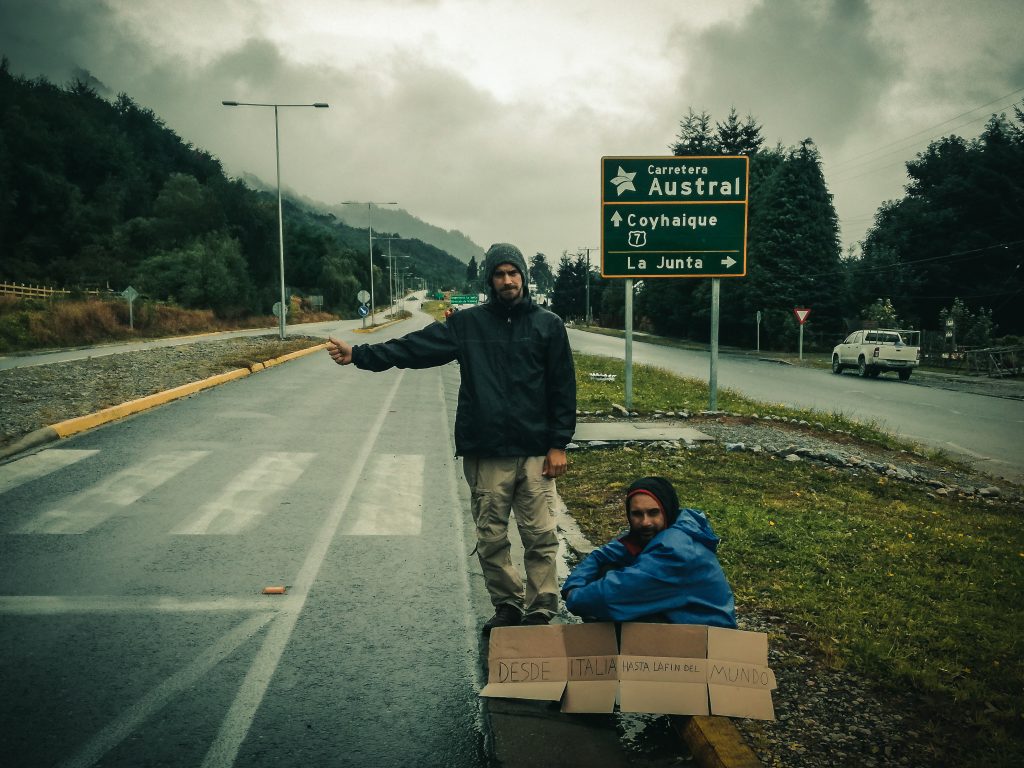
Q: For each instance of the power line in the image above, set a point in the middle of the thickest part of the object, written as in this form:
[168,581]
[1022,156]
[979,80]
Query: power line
[842,175]
[958,254]
[841,163]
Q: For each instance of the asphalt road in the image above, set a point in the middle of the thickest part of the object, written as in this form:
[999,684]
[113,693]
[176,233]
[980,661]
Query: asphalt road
[134,557]
[985,431]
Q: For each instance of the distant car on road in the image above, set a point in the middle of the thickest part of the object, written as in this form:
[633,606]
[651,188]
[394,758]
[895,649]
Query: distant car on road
[873,352]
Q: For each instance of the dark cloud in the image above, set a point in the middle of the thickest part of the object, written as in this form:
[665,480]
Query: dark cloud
[802,69]
[60,40]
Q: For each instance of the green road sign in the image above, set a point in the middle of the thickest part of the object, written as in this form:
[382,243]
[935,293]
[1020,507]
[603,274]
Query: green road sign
[470,299]
[674,216]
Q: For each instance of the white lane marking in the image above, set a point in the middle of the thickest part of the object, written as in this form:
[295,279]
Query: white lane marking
[246,497]
[118,730]
[38,464]
[238,720]
[391,501]
[51,605]
[86,510]
[968,451]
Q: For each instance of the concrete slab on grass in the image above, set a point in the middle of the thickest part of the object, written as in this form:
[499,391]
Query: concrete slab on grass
[612,431]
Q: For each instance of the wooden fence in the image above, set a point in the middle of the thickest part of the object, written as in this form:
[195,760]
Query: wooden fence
[41,291]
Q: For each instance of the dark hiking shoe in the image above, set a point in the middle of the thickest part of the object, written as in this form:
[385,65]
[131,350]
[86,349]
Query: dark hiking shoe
[505,615]
[536,620]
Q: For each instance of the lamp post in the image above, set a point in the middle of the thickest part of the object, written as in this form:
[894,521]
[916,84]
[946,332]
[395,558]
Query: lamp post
[392,283]
[588,249]
[369,212]
[280,219]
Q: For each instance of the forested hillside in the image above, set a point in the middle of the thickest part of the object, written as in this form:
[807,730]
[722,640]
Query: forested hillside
[100,194]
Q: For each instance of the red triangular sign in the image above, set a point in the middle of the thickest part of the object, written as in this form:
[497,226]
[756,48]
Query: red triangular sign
[801,314]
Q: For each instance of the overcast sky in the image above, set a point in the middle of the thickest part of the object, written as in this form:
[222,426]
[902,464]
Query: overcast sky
[491,117]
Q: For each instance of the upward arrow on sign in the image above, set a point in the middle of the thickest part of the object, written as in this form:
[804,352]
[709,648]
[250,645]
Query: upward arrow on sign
[801,315]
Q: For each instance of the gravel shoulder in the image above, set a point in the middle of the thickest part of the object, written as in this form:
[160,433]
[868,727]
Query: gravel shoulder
[36,396]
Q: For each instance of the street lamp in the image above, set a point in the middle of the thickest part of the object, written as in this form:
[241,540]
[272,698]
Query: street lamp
[277,153]
[369,213]
[588,249]
[391,270]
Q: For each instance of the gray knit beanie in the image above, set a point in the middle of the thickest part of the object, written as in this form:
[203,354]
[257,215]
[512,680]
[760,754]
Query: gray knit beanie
[503,253]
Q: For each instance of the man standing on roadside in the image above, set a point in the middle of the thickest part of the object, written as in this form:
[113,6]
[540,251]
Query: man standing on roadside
[516,414]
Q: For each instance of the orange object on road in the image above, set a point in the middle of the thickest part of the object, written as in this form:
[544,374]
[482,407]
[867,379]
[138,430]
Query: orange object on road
[274,590]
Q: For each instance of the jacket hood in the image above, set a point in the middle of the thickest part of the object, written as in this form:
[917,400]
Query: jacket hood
[504,253]
[694,523]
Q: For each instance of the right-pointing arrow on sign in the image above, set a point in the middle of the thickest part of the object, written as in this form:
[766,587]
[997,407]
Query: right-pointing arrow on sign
[728,261]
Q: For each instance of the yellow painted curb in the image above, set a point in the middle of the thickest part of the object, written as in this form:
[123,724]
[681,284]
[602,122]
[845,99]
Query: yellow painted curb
[114,412]
[292,355]
[715,742]
[82,423]
[376,328]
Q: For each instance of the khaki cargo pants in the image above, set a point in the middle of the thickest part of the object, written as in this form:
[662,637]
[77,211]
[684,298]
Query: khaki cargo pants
[497,486]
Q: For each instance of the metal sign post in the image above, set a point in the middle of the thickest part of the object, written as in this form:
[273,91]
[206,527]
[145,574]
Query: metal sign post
[629,344]
[713,375]
[131,294]
[801,316]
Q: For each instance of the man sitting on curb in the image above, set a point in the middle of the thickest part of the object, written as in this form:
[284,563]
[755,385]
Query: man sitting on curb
[663,571]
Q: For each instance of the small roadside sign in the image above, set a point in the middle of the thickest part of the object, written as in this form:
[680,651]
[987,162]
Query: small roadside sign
[363,310]
[363,296]
[131,295]
[801,315]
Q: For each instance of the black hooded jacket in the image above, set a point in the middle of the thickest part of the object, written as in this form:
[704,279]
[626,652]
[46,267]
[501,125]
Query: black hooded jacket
[518,391]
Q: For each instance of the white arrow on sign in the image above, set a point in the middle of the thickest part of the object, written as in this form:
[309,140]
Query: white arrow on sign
[616,219]
[728,261]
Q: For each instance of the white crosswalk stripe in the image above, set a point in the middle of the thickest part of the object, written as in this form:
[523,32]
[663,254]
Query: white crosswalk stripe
[85,510]
[389,501]
[246,497]
[37,465]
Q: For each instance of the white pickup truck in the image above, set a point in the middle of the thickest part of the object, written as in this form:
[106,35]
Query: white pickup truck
[873,352]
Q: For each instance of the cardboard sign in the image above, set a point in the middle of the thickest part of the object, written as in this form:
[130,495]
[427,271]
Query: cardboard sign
[686,669]
[680,669]
[574,663]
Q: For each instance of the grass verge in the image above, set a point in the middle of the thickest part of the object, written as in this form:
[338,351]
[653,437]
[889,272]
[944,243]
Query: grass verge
[914,592]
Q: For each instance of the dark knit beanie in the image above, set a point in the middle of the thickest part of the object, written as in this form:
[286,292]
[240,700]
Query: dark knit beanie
[503,253]
[662,490]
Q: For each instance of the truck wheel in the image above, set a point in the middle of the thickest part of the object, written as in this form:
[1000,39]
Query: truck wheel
[905,374]
[862,368]
[837,368]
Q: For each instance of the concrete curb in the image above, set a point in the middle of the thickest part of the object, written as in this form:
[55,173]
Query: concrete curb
[78,424]
[33,439]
